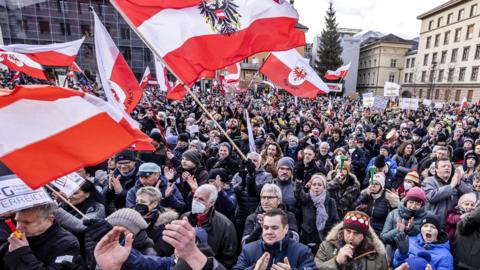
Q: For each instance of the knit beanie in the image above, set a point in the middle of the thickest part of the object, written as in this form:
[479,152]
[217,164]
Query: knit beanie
[129,219]
[193,155]
[458,155]
[126,154]
[467,197]
[183,137]
[431,219]
[356,220]
[218,171]
[416,194]
[380,178]
[379,161]
[413,177]
[471,154]
[287,162]
[420,261]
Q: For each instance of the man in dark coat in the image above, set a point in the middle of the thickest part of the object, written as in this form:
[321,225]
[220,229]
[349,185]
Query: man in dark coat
[467,252]
[43,243]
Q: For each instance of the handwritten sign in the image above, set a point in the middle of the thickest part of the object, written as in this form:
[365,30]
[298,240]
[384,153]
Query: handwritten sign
[69,184]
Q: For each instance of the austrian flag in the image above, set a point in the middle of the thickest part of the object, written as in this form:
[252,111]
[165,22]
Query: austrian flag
[197,35]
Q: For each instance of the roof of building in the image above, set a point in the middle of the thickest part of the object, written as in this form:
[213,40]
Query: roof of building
[390,38]
[440,8]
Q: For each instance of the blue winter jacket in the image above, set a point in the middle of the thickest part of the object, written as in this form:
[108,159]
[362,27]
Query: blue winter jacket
[299,255]
[442,259]
[137,260]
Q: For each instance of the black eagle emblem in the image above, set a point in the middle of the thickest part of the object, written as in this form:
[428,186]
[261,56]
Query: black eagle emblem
[221,15]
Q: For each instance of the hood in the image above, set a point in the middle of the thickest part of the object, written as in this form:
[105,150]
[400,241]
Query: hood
[168,215]
[373,238]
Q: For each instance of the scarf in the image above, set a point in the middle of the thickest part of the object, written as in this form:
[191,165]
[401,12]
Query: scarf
[322,216]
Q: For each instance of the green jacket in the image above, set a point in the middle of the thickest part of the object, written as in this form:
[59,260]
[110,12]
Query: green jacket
[326,254]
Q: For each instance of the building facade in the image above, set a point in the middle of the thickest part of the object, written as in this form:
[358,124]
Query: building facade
[446,64]
[350,54]
[381,59]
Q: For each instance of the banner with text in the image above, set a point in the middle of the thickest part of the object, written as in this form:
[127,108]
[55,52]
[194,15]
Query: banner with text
[391,89]
[335,87]
[409,104]
[380,103]
[15,195]
[368,101]
[69,184]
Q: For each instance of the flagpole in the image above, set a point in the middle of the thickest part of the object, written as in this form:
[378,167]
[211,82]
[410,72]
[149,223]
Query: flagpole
[66,201]
[195,98]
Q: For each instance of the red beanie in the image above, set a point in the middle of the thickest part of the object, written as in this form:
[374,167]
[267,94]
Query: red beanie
[416,194]
[356,220]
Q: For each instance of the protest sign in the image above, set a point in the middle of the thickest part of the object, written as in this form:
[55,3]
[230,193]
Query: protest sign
[368,101]
[427,102]
[370,94]
[335,87]
[68,184]
[438,105]
[15,195]
[391,89]
[409,103]
[380,103]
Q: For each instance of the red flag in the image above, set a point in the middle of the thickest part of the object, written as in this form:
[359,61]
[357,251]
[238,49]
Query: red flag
[339,73]
[232,73]
[118,81]
[75,68]
[62,130]
[147,76]
[177,93]
[56,54]
[291,71]
[196,35]
[22,63]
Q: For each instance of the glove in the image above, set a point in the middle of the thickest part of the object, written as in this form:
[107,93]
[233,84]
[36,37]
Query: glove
[402,243]
[243,175]
[96,229]
[250,168]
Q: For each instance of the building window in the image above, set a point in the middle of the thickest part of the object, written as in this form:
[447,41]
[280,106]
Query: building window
[469,32]
[469,95]
[391,77]
[126,52]
[410,77]
[406,78]
[458,32]
[393,63]
[439,21]
[374,62]
[61,5]
[450,74]
[449,18]
[437,40]
[432,76]
[37,7]
[473,10]
[461,14]
[443,58]
[413,62]
[453,57]
[434,58]
[420,93]
[65,29]
[430,25]
[457,94]
[440,75]
[424,76]
[461,74]
[85,28]
[425,59]
[437,94]
[429,39]
[44,27]
[466,51]
[147,56]
[477,52]
[474,75]
[125,33]
[24,24]
[446,38]
[408,63]
[447,95]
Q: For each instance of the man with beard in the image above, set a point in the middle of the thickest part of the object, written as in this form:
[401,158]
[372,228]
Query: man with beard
[286,184]
[336,141]
[307,167]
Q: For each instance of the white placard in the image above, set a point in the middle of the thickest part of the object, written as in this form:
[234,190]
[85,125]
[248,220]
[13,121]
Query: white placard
[335,87]
[368,102]
[370,94]
[193,129]
[409,103]
[69,184]
[15,195]
[391,89]
[427,102]
[439,105]
[380,103]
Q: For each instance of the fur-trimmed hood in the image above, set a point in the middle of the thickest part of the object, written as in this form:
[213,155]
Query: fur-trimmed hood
[168,215]
[373,238]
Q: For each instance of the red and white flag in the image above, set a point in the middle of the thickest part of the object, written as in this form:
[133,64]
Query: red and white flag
[177,93]
[118,81]
[161,73]
[339,73]
[292,72]
[196,35]
[232,73]
[147,76]
[22,63]
[56,54]
[75,68]
[62,131]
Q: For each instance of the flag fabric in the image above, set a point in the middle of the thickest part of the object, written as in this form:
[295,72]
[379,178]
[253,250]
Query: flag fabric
[291,71]
[162,78]
[192,36]
[271,85]
[339,73]
[177,93]
[251,140]
[118,81]
[331,113]
[75,68]
[22,63]
[56,54]
[232,73]
[62,131]
[147,76]
[15,77]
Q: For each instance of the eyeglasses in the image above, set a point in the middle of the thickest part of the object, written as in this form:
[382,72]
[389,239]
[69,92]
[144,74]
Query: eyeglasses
[125,163]
[268,198]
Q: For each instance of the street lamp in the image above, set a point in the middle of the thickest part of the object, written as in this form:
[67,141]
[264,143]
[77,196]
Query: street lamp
[432,79]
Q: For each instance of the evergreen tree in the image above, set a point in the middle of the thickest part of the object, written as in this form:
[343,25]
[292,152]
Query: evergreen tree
[329,50]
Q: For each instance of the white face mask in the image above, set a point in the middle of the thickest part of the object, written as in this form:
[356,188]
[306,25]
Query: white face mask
[198,207]
[407,186]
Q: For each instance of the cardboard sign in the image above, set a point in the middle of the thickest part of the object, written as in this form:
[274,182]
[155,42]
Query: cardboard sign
[69,184]
[368,102]
[391,89]
[15,195]
[335,87]
[409,104]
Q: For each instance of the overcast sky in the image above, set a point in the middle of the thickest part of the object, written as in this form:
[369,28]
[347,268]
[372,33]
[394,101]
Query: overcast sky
[386,16]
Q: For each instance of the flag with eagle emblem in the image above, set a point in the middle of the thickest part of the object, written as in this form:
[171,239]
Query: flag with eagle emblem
[193,36]
[292,72]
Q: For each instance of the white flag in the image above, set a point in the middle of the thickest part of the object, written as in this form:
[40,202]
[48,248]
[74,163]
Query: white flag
[251,140]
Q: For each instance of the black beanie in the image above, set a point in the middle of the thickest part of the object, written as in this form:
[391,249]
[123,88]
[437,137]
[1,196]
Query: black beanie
[218,171]
[431,219]
[194,156]
[156,136]
[183,137]
[379,161]
[126,154]
[458,154]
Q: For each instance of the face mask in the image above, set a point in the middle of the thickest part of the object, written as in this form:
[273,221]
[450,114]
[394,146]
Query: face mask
[198,207]
[407,186]
[141,208]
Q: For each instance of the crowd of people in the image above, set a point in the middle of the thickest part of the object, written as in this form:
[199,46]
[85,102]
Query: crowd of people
[321,187]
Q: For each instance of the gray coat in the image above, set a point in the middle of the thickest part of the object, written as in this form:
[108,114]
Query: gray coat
[441,196]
